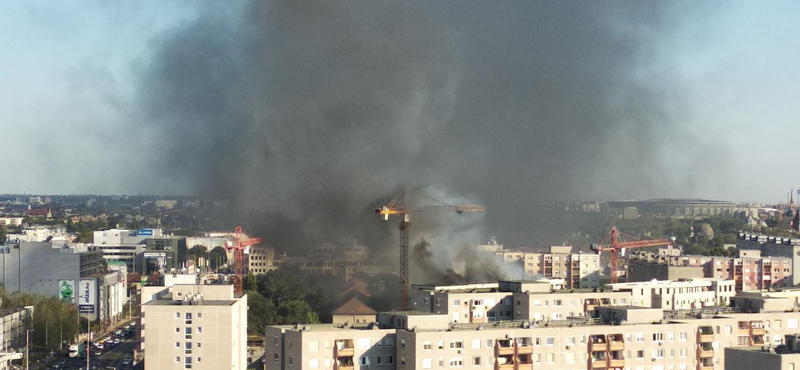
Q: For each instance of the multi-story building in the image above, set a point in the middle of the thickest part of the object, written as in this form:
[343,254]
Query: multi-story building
[40,267]
[144,251]
[511,300]
[194,327]
[647,339]
[10,221]
[678,295]
[579,270]
[261,259]
[14,323]
[781,357]
[772,246]
[749,270]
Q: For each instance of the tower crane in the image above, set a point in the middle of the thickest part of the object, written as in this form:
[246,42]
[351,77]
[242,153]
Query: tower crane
[612,244]
[239,247]
[394,209]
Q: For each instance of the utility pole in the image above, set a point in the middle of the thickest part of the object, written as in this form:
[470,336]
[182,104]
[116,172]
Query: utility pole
[88,341]
[61,343]
[27,348]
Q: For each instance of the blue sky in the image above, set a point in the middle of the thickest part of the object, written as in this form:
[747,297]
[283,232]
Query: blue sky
[71,122]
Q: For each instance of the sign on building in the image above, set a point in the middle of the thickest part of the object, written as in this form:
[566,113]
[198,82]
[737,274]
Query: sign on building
[87,295]
[66,291]
[144,232]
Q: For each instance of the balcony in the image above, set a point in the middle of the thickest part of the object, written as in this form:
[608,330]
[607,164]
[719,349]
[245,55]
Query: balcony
[344,351]
[525,367]
[508,366]
[504,351]
[524,350]
[344,367]
[705,353]
[705,334]
[616,363]
[756,328]
[597,343]
[599,364]
[616,342]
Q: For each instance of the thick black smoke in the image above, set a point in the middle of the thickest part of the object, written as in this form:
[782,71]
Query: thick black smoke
[472,265]
[306,115]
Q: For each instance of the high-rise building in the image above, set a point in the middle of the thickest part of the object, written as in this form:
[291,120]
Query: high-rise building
[194,327]
[579,270]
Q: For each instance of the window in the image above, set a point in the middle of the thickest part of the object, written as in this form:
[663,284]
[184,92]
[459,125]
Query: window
[476,344]
[658,337]
[402,343]
[177,330]
[187,348]
[476,361]
[556,303]
[177,360]
[402,361]
[440,363]
[427,363]
[199,315]
[390,360]
[550,341]
[440,344]
[177,315]
[275,358]
[777,324]
[456,362]
[728,329]
[683,352]
[427,346]
[177,344]
[536,303]
[551,357]
[363,360]
[275,340]
[640,354]
[538,358]
[456,302]
[671,336]
[188,332]
[388,341]
[378,360]
[570,341]
[744,340]
[658,353]
[640,337]
[569,357]
[313,363]
[456,345]
[488,343]
[199,329]
[683,335]
[291,361]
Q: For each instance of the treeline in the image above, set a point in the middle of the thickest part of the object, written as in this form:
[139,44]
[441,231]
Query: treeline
[52,319]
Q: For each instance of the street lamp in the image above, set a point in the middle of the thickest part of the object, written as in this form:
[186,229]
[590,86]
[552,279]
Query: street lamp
[61,343]
[27,348]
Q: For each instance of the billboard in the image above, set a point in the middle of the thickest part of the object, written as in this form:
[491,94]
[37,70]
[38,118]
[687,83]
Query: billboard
[66,291]
[87,295]
[144,232]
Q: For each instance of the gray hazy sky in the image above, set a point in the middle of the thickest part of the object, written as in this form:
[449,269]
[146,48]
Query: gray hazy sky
[83,107]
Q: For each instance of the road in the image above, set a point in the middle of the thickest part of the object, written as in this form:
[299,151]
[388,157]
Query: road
[116,355]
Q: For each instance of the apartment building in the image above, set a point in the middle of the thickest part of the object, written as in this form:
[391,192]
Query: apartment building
[194,327]
[643,339]
[471,303]
[772,246]
[261,259]
[749,270]
[579,270]
[678,295]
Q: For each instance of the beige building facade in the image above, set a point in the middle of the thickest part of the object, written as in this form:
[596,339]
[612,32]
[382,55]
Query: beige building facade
[579,270]
[641,343]
[194,327]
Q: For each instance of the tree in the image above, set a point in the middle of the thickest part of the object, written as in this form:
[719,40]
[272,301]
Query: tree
[260,313]
[217,257]
[198,251]
[296,312]
[250,284]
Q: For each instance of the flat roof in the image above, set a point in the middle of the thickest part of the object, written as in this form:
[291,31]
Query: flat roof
[169,302]
[412,313]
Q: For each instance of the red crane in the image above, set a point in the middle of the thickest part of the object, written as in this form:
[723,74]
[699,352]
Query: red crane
[612,244]
[238,247]
[394,209]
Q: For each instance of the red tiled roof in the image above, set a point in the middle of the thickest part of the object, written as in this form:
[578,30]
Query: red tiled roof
[355,289]
[354,307]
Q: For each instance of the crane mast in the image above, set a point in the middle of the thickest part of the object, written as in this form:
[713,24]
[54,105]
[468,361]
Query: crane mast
[393,209]
[612,244]
[238,247]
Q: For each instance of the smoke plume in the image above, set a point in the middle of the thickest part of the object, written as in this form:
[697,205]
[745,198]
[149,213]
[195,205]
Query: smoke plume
[306,115]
